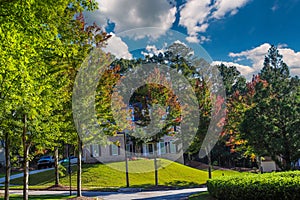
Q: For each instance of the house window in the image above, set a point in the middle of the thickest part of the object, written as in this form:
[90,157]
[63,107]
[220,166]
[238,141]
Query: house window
[150,148]
[172,147]
[162,148]
[129,149]
[114,150]
[95,150]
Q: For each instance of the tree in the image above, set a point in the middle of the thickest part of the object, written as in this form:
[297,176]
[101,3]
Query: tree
[238,94]
[270,126]
[30,32]
[178,59]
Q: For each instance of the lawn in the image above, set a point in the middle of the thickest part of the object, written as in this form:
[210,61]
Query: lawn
[40,197]
[97,176]
[201,196]
[3,174]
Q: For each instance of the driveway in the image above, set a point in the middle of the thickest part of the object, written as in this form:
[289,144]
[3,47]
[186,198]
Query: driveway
[148,195]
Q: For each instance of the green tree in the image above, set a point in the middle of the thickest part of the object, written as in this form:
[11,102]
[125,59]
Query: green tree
[271,125]
[30,32]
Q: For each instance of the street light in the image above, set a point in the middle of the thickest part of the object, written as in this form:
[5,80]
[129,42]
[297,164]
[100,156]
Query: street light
[70,170]
[126,161]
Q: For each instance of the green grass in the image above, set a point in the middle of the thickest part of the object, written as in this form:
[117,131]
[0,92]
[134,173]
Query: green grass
[201,196]
[40,197]
[97,176]
[12,173]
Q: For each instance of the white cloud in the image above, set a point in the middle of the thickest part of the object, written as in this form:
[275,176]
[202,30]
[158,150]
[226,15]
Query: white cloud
[193,15]
[117,47]
[227,6]
[180,42]
[246,71]
[292,59]
[256,57]
[131,14]
[192,39]
[152,50]
[275,6]
[196,15]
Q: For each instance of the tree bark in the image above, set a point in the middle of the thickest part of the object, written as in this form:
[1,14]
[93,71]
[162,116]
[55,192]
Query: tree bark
[155,164]
[56,166]
[79,194]
[287,152]
[7,166]
[209,164]
[25,160]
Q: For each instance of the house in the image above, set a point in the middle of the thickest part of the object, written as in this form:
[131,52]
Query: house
[268,165]
[168,147]
[297,164]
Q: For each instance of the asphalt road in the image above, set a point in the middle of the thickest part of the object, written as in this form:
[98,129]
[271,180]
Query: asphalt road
[147,195]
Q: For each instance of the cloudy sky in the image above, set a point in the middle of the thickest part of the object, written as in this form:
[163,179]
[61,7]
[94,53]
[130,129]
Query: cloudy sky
[234,32]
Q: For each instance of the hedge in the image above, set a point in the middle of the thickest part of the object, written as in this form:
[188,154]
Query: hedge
[275,185]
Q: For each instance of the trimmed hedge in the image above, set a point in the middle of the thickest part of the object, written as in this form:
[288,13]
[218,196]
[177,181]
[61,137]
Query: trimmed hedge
[275,185]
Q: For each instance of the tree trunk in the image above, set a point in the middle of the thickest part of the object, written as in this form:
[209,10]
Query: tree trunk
[155,164]
[25,160]
[79,194]
[56,166]
[258,161]
[209,164]
[287,153]
[7,166]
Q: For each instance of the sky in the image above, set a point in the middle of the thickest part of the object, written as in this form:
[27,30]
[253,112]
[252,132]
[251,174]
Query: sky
[233,32]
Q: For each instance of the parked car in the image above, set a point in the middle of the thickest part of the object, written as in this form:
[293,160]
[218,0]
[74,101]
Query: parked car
[45,161]
[73,160]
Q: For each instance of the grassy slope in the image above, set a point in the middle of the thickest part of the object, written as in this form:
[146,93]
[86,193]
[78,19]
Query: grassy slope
[41,197]
[100,176]
[201,196]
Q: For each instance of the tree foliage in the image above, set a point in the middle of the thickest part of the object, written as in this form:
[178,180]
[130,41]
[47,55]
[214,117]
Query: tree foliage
[271,125]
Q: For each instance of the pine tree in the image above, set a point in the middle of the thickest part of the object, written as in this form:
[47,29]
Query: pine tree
[270,126]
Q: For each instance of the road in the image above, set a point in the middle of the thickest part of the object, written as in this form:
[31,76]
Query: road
[147,195]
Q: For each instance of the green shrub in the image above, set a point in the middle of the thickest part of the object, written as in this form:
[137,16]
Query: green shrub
[276,185]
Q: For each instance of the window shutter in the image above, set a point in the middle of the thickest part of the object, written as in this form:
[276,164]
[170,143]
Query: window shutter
[119,150]
[99,150]
[110,149]
[91,150]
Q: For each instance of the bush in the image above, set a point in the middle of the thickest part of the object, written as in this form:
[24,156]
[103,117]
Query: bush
[276,185]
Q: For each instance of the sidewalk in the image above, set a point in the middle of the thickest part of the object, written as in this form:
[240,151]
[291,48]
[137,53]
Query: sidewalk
[2,180]
[153,195]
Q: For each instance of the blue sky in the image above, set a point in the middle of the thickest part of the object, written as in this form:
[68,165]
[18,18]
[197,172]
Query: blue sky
[235,32]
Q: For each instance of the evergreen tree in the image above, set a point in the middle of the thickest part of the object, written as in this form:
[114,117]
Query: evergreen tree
[271,125]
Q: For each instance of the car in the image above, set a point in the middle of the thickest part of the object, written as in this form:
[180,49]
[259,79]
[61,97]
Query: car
[73,160]
[45,161]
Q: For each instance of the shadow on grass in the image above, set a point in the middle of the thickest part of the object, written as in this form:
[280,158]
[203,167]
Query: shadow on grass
[180,183]
[40,197]
[201,196]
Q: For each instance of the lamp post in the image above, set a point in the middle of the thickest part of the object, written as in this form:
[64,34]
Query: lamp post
[69,170]
[126,161]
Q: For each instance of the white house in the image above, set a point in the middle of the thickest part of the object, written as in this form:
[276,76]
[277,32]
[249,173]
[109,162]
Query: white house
[168,147]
